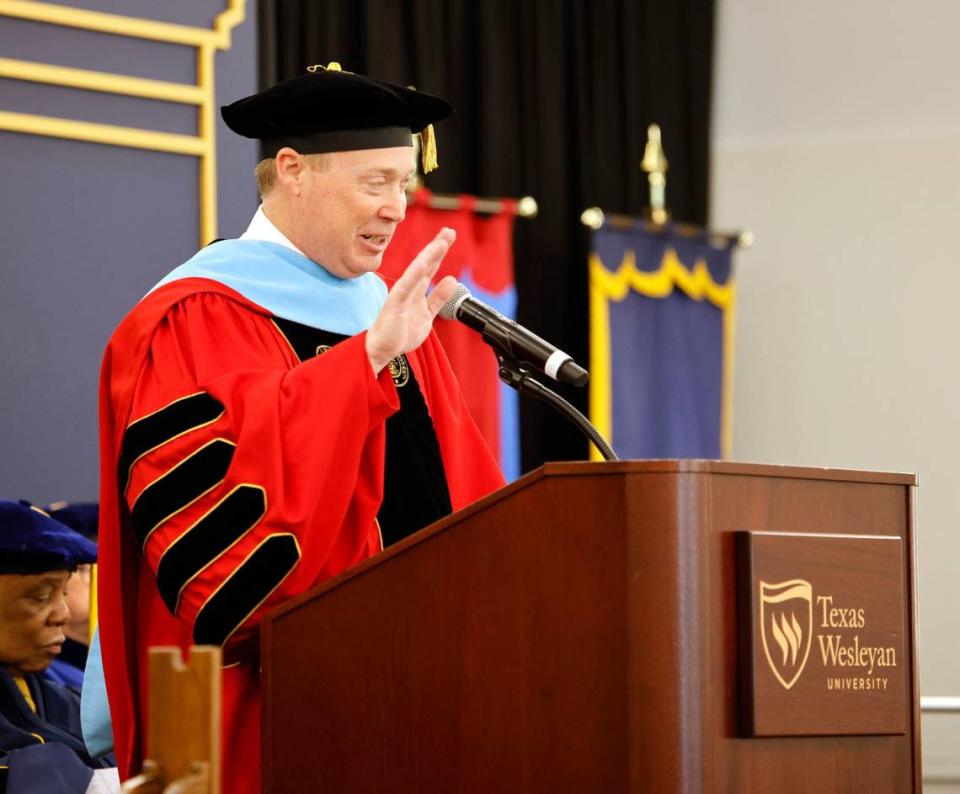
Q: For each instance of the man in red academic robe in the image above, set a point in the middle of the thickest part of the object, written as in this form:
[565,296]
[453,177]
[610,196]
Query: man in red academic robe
[270,413]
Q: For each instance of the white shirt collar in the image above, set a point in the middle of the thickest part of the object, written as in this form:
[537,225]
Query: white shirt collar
[262,228]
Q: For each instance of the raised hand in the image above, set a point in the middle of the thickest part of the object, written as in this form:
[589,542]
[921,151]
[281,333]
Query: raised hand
[408,313]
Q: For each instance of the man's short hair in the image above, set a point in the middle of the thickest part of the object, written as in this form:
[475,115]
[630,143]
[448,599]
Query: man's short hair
[266,170]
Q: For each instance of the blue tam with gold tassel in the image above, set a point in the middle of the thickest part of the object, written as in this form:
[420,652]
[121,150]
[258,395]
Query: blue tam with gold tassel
[33,542]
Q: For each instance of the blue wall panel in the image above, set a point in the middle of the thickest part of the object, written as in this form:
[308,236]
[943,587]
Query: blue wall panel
[87,228]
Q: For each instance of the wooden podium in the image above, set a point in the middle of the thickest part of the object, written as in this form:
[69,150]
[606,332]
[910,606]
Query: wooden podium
[649,626]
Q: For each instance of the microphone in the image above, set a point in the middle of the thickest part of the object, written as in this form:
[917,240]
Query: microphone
[512,339]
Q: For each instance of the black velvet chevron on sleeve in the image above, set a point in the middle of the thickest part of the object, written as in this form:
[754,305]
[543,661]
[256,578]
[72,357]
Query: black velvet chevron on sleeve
[180,486]
[201,544]
[161,427]
[246,589]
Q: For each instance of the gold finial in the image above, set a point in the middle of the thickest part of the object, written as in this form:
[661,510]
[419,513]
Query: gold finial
[527,207]
[333,66]
[654,158]
[655,164]
[592,217]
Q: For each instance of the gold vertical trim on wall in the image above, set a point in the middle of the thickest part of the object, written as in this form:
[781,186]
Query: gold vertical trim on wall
[207,128]
[202,94]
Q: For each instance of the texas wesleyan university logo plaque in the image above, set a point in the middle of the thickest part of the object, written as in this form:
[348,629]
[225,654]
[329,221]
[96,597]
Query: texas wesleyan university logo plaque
[823,638]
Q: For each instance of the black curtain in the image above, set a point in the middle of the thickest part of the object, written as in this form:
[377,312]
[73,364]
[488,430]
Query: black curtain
[553,99]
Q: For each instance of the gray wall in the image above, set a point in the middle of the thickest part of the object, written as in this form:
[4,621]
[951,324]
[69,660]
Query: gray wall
[87,228]
[837,140]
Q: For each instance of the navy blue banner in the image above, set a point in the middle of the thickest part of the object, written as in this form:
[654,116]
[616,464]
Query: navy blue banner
[661,343]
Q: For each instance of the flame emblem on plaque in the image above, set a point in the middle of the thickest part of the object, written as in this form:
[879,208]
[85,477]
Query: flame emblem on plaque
[786,627]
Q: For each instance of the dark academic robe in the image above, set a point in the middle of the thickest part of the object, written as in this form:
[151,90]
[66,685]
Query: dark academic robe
[246,457]
[42,752]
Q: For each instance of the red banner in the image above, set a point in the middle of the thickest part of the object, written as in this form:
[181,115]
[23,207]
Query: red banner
[481,258]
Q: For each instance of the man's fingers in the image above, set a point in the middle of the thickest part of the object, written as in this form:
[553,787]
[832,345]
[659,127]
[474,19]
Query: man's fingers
[441,294]
[427,262]
[414,281]
[406,317]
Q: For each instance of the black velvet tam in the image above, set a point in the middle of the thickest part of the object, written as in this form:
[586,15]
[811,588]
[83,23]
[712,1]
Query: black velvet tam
[32,542]
[329,111]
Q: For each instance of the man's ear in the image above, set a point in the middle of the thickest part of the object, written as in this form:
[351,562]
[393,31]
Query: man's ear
[290,166]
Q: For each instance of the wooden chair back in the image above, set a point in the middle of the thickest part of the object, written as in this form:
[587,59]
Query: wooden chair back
[183,737]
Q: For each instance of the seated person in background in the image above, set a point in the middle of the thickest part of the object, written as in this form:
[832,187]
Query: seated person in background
[68,667]
[41,751]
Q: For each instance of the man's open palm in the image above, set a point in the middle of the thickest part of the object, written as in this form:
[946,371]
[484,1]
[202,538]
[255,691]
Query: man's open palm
[408,313]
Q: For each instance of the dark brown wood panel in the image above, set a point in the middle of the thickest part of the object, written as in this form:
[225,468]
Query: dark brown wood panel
[492,647]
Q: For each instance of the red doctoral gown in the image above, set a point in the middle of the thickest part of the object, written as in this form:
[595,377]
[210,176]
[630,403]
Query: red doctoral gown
[235,476]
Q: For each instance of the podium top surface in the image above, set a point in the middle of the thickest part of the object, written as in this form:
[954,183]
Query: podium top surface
[593,469]
[694,466]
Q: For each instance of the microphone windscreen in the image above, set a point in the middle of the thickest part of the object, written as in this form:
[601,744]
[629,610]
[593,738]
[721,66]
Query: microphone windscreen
[449,310]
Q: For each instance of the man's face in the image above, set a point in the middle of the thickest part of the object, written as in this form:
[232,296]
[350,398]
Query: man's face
[33,613]
[348,211]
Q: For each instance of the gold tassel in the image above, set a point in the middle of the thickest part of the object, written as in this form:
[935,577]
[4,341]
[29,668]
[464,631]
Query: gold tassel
[428,149]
